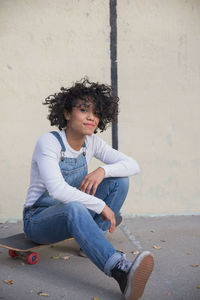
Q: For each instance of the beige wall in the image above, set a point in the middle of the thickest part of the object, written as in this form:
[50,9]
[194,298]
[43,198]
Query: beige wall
[48,44]
[159,84]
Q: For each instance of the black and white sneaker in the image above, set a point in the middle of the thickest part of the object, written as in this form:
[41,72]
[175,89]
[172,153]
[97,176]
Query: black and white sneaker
[133,276]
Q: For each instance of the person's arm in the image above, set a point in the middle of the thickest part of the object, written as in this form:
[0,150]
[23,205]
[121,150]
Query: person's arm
[46,155]
[117,163]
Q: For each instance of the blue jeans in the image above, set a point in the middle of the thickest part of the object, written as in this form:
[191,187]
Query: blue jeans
[51,224]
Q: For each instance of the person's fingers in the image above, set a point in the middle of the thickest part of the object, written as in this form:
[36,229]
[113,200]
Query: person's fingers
[112,225]
[88,188]
[94,189]
[86,185]
[82,186]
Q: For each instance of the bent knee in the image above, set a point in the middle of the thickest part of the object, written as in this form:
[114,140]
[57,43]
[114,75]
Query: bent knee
[75,207]
[123,182]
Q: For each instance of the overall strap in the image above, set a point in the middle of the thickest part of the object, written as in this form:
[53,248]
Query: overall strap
[63,149]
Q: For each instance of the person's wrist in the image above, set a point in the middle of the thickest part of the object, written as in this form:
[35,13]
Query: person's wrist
[103,171]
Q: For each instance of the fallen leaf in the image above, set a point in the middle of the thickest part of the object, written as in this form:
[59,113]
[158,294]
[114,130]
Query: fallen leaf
[55,256]
[156,247]
[188,253]
[194,266]
[95,298]
[13,266]
[135,252]
[170,293]
[9,282]
[119,250]
[65,257]
[163,241]
[198,287]
[43,294]
[152,230]
[22,264]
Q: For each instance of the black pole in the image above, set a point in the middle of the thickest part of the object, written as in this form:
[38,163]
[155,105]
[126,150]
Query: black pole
[113,57]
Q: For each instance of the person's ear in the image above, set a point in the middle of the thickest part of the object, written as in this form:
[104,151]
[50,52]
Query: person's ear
[67,115]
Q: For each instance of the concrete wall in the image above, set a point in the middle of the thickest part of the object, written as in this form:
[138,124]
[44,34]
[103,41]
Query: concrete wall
[159,84]
[48,44]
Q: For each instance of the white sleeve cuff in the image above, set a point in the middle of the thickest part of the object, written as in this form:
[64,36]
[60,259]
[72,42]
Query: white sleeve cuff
[106,169]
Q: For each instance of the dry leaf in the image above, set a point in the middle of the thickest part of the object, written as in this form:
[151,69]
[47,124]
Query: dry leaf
[194,266]
[170,293]
[188,253]
[65,257]
[163,241]
[9,281]
[152,230]
[55,256]
[198,287]
[135,252]
[43,294]
[156,247]
[95,298]
[13,266]
[22,264]
[119,250]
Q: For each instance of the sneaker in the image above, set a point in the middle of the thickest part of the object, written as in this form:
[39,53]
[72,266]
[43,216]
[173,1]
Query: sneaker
[133,276]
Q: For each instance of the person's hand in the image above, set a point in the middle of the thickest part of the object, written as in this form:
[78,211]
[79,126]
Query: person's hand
[92,180]
[108,214]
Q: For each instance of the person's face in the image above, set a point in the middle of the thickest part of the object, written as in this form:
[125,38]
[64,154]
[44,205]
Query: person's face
[83,120]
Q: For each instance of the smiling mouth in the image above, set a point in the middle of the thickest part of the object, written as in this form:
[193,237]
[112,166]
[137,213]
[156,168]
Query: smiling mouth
[89,125]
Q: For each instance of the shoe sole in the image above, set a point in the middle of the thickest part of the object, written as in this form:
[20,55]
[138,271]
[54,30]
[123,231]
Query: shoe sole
[139,275]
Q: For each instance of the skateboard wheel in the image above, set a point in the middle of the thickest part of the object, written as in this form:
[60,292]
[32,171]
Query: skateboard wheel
[12,253]
[32,258]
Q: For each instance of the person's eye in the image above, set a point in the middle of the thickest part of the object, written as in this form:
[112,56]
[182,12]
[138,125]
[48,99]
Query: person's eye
[83,109]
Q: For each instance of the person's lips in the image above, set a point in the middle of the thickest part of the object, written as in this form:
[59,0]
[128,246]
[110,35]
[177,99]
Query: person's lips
[89,125]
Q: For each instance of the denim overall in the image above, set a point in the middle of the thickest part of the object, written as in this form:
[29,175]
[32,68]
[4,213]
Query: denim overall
[49,220]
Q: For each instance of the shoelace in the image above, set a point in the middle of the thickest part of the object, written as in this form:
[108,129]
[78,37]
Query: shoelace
[123,264]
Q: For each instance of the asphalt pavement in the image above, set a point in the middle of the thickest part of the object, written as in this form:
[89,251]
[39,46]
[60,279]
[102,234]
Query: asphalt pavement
[61,274]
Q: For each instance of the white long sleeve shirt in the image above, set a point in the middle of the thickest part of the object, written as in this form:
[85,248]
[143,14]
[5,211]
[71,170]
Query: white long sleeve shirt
[46,173]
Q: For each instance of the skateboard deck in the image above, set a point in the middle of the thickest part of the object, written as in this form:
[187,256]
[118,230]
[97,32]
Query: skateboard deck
[20,246]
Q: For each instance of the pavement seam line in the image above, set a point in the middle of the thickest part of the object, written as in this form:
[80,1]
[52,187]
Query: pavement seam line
[131,237]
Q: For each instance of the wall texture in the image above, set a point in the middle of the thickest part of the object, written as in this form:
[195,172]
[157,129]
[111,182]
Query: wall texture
[46,44]
[159,84]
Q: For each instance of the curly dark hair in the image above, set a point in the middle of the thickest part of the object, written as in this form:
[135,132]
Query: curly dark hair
[106,104]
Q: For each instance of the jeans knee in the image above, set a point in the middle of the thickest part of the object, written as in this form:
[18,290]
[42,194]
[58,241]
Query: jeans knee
[75,207]
[123,183]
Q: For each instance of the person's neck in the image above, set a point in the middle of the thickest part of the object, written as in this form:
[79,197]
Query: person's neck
[75,141]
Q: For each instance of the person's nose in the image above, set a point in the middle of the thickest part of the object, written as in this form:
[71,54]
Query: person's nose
[91,115]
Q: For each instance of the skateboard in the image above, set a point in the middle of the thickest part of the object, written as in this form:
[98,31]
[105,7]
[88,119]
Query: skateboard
[20,246]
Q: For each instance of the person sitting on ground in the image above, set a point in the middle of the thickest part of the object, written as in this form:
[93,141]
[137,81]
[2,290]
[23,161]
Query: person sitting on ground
[64,200]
